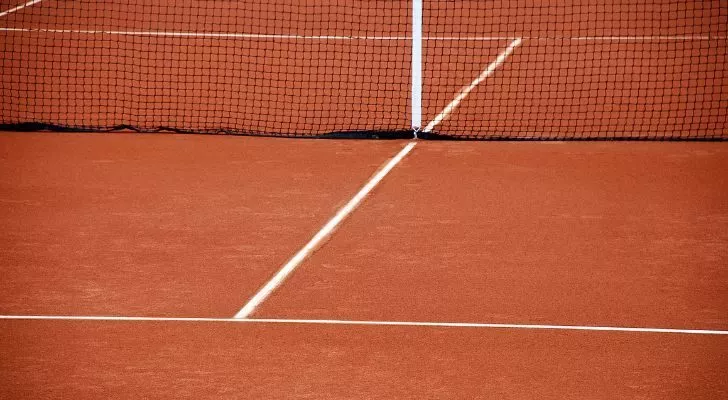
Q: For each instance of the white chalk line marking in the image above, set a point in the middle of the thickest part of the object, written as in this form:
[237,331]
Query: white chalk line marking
[234,35]
[231,35]
[20,7]
[647,38]
[370,323]
[321,235]
[464,92]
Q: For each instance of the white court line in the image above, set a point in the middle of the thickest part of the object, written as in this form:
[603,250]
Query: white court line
[233,35]
[580,38]
[371,323]
[322,234]
[648,38]
[222,35]
[20,7]
[466,90]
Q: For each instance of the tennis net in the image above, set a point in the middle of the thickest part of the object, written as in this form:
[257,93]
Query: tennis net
[464,69]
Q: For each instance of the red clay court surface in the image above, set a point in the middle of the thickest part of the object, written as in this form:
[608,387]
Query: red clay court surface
[473,270]
[588,234]
[129,212]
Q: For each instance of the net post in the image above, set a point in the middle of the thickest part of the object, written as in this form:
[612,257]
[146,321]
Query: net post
[416,65]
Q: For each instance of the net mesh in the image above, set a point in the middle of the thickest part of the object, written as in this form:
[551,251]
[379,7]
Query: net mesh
[508,69]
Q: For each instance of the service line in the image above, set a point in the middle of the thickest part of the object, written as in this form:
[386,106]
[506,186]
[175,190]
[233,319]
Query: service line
[265,36]
[322,234]
[370,323]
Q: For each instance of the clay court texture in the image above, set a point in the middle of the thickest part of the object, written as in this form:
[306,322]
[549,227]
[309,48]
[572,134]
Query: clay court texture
[213,263]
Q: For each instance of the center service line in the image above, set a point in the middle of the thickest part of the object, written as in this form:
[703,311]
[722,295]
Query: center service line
[464,92]
[20,7]
[324,233]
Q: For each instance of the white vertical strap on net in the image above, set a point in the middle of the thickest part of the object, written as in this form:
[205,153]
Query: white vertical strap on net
[416,65]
